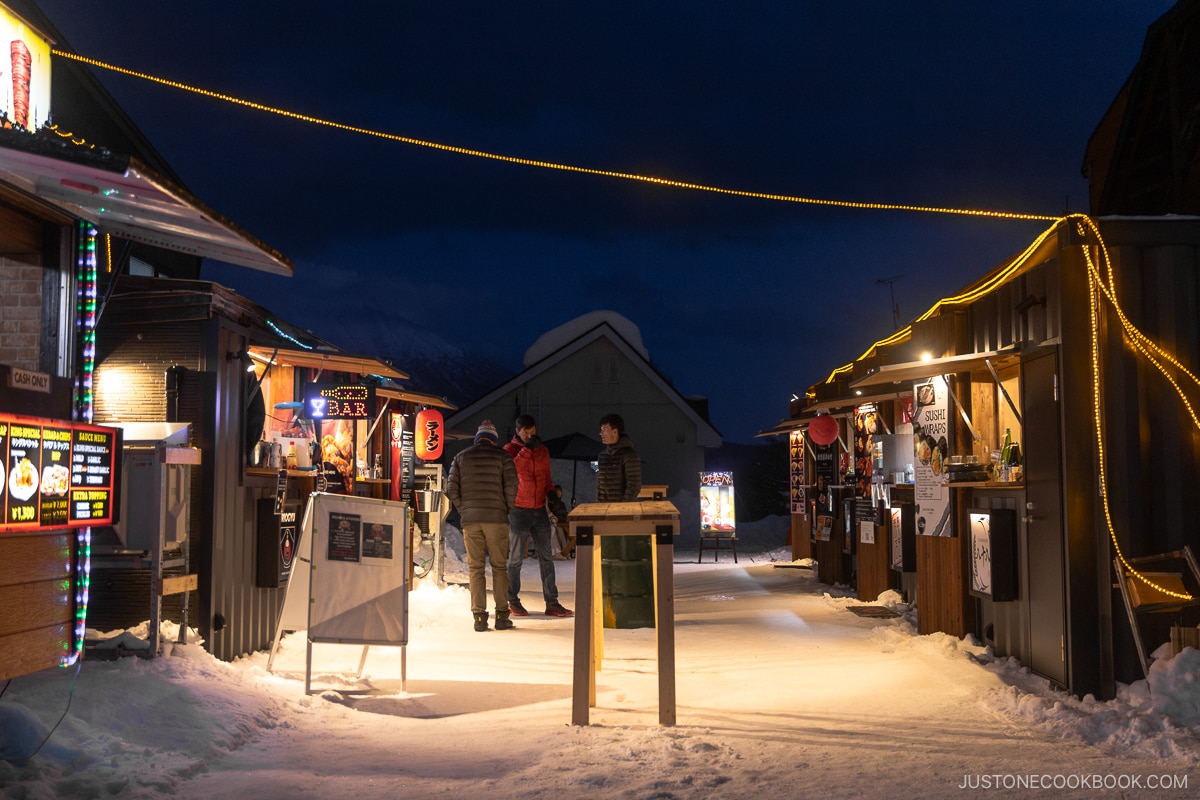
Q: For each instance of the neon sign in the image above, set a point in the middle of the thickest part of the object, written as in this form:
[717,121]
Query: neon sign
[338,401]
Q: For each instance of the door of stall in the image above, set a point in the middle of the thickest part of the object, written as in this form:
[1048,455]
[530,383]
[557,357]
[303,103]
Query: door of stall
[1043,517]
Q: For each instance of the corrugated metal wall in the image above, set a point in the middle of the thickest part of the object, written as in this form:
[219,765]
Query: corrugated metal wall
[249,613]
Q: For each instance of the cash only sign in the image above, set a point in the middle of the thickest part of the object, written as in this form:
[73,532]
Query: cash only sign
[56,474]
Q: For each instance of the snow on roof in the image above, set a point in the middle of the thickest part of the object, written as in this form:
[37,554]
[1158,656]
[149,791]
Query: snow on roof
[554,339]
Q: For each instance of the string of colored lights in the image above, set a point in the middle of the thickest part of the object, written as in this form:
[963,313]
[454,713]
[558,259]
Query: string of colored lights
[552,165]
[287,335]
[87,292]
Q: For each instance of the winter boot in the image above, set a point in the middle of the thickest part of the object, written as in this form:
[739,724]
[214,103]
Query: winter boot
[481,620]
[503,623]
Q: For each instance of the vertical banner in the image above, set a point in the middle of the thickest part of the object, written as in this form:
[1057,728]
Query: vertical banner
[827,470]
[866,428]
[396,456]
[931,446]
[798,473]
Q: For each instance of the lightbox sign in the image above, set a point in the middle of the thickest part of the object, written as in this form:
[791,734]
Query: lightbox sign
[716,502]
[56,474]
[25,81]
[338,401]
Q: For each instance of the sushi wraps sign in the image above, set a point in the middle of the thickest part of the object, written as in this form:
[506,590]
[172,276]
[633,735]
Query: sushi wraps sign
[931,447]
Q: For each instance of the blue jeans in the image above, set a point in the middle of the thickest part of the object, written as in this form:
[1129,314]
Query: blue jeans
[525,524]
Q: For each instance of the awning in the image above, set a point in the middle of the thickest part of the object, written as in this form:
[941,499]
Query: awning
[129,200]
[916,370]
[782,427]
[856,400]
[334,362]
[415,397]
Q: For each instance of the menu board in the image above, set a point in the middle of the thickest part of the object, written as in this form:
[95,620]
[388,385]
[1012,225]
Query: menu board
[931,446]
[56,474]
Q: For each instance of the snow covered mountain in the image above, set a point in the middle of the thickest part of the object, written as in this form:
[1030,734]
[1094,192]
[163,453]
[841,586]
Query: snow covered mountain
[437,365]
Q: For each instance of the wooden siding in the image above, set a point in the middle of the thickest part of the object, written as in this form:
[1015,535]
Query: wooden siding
[36,606]
[874,570]
[942,601]
[801,536]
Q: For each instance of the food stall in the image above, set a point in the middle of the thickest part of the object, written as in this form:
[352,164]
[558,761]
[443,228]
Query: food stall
[1006,390]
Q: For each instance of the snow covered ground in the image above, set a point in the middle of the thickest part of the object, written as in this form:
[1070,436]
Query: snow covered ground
[782,693]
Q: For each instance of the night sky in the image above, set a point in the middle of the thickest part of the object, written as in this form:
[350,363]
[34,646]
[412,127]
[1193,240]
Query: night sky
[745,301]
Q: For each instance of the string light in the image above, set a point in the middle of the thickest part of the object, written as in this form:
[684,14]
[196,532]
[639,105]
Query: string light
[968,296]
[531,162]
[1097,286]
[1099,291]
[287,335]
[86,294]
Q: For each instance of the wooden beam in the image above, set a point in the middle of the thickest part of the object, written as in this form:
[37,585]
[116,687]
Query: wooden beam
[179,585]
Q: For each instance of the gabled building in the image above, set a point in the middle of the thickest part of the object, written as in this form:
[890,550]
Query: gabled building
[594,365]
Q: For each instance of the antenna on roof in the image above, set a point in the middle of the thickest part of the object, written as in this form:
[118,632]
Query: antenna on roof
[895,308]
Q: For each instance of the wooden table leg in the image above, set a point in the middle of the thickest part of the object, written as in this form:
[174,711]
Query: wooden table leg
[583,681]
[665,608]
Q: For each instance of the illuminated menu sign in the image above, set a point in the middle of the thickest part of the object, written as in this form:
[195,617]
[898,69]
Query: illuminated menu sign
[55,474]
[338,401]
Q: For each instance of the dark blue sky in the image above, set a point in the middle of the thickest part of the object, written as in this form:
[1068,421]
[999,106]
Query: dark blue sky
[745,301]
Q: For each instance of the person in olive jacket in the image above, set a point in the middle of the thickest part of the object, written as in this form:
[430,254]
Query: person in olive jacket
[482,485]
[620,475]
[529,521]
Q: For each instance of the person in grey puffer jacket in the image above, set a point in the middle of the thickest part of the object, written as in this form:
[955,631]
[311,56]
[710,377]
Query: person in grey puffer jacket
[620,476]
[482,485]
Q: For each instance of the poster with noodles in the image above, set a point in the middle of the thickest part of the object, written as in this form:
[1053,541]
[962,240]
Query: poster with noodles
[24,72]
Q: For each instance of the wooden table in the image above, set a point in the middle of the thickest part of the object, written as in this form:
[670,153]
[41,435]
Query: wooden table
[659,520]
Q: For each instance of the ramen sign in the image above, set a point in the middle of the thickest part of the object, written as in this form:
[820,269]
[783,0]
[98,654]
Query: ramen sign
[56,474]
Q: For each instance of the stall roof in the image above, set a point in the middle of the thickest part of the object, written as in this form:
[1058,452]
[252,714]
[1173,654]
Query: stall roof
[915,370]
[856,400]
[783,426]
[415,397]
[129,200]
[316,359]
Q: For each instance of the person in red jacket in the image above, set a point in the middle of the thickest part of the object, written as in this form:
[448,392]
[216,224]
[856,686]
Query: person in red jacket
[528,520]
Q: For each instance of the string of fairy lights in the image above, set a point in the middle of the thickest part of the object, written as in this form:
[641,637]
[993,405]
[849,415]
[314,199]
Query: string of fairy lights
[86,295]
[1154,354]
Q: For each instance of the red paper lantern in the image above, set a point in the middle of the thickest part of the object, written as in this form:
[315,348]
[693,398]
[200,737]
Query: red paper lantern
[824,430]
[429,434]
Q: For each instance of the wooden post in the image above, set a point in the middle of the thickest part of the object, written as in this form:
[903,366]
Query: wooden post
[589,523]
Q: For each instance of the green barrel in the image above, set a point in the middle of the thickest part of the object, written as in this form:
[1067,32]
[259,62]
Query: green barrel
[627,578]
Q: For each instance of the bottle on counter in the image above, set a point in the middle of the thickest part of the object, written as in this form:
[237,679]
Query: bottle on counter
[1014,462]
[1005,454]
[377,467]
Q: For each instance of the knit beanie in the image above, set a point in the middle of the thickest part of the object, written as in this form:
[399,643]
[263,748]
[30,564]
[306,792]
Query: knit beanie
[486,430]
